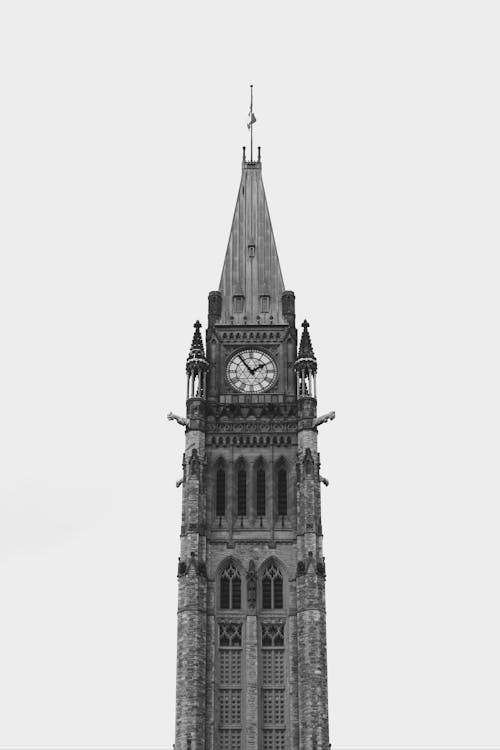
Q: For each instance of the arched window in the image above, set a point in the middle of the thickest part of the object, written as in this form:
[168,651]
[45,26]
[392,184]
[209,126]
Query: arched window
[242,490]
[272,696]
[230,588]
[261,491]
[282,492]
[272,587]
[220,493]
[230,674]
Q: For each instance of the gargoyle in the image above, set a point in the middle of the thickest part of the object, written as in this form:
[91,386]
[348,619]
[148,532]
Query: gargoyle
[324,418]
[325,481]
[180,420]
[179,482]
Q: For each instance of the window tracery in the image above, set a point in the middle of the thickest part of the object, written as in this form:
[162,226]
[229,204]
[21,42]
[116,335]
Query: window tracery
[230,708]
[230,587]
[272,587]
[273,685]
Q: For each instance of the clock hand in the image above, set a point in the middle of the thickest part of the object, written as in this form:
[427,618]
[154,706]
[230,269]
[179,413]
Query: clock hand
[244,363]
[259,366]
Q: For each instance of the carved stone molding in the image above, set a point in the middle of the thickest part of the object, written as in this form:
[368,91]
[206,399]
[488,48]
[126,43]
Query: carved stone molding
[278,425]
[260,411]
[221,441]
[199,567]
[254,335]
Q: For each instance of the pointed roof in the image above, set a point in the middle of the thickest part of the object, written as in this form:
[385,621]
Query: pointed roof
[197,351]
[305,349]
[251,266]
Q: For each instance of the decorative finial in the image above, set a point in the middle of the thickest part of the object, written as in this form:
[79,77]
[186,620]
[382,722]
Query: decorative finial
[197,325]
[305,324]
[259,154]
[251,122]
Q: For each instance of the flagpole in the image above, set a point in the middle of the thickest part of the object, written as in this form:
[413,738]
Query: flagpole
[251,122]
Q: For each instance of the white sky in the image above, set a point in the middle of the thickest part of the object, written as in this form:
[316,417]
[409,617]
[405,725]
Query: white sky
[120,143]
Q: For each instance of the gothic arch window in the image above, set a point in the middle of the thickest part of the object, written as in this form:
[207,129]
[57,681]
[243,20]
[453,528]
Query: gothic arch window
[272,586]
[282,487]
[220,490]
[230,685]
[241,488]
[272,696]
[230,587]
[260,488]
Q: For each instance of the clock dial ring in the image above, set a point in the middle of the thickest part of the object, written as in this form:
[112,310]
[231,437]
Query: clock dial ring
[251,371]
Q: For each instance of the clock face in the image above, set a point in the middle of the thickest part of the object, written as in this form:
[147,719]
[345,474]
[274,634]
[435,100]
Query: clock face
[251,371]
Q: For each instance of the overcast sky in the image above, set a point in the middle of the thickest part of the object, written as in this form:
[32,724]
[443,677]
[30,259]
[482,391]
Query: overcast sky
[120,153]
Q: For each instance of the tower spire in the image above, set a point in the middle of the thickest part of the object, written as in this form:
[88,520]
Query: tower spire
[251,121]
[305,365]
[196,366]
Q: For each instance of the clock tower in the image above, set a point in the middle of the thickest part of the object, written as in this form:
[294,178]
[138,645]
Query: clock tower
[251,637]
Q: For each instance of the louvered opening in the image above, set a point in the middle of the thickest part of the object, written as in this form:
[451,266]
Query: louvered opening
[220,499]
[261,492]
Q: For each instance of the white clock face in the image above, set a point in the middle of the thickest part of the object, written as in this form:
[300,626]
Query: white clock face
[252,371]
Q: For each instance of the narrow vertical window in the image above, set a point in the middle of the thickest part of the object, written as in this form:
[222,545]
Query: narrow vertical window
[265,302]
[242,492]
[230,709]
[282,493]
[261,492]
[272,588]
[273,686]
[220,493]
[230,588]
[238,303]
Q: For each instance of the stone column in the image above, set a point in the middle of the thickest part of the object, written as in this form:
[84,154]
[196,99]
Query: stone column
[311,616]
[192,595]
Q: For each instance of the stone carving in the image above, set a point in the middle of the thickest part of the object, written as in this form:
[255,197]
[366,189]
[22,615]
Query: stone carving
[194,464]
[324,481]
[248,440]
[196,411]
[248,335]
[308,462]
[274,426]
[251,585]
[237,410]
[301,568]
[179,482]
[324,418]
[181,568]
[321,569]
[180,420]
